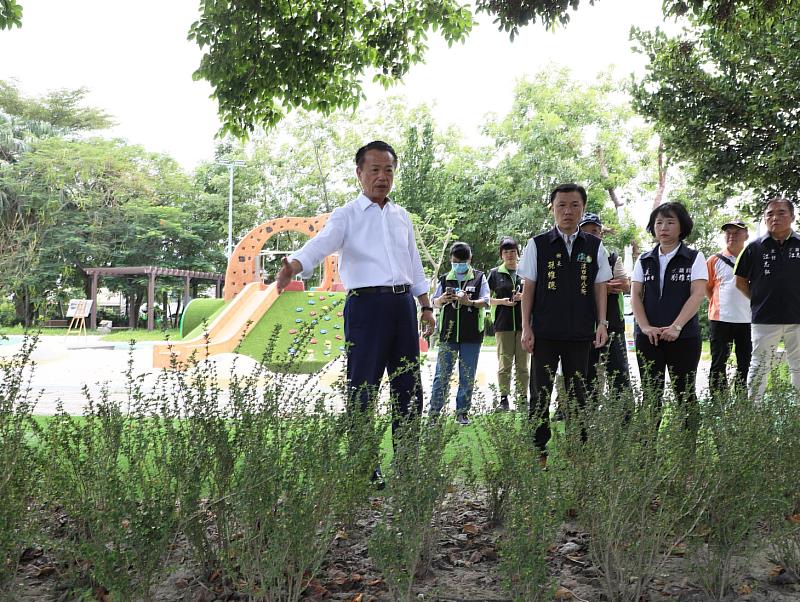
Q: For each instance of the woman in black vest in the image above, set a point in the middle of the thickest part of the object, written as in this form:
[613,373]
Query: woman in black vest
[506,287]
[462,294]
[668,286]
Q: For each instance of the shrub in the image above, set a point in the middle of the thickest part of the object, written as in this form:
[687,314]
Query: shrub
[532,515]
[633,488]
[402,541]
[19,469]
[108,471]
[737,446]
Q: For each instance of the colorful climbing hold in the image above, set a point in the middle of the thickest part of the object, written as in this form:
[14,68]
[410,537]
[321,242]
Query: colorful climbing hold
[337,326]
[338,337]
[298,309]
[340,313]
[341,347]
[326,318]
[322,297]
[311,301]
[323,331]
[326,352]
[312,313]
[292,331]
[313,341]
[297,320]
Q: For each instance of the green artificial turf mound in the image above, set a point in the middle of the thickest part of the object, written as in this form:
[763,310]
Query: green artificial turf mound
[312,347]
[198,313]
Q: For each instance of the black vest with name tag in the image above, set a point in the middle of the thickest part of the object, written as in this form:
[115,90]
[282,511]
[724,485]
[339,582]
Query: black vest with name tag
[663,302]
[563,304]
[459,323]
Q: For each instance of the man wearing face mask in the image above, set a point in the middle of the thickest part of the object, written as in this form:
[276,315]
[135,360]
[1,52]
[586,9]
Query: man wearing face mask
[461,294]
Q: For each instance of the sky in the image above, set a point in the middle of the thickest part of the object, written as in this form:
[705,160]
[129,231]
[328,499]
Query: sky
[137,63]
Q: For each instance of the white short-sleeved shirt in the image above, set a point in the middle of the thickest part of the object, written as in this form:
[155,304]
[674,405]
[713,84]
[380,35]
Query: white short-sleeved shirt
[699,267]
[528,265]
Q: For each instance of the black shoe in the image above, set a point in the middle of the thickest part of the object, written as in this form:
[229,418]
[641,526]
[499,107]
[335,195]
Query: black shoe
[558,416]
[503,407]
[376,480]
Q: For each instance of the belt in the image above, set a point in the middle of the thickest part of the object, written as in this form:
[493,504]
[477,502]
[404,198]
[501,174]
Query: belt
[397,289]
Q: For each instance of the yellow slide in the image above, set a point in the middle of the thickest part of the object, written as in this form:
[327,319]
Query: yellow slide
[227,329]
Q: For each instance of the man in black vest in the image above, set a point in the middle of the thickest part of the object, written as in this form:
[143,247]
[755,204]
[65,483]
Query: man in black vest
[563,305]
[614,355]
[768,273]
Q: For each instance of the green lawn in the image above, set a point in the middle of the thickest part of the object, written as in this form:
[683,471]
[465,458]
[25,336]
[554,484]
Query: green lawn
[119,335]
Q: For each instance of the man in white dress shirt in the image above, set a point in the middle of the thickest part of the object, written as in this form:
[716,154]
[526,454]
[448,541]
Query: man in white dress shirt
[380,267]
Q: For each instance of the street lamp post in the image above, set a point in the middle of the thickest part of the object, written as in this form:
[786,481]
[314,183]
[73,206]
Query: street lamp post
[231,165]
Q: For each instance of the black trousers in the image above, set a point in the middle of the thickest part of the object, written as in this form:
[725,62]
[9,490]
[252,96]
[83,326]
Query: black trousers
[681,358]
[614,356]
[574,357]
[724,335]
[382,335]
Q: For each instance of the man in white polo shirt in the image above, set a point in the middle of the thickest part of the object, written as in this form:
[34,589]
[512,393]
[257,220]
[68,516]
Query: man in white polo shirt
[728,310]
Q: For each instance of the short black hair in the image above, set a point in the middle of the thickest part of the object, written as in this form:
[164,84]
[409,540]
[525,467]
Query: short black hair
[461,251]
[378,145]
[508,242]
[569,188]
[675,209]
[780,199]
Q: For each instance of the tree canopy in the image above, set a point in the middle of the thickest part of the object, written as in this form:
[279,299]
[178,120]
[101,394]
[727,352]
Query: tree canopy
[10,14]
[728,98]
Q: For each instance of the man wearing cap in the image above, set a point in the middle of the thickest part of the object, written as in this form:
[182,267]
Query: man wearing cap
[563,307]
[381,269]
[614,355]
[768,273]
[728,310]
[506,288]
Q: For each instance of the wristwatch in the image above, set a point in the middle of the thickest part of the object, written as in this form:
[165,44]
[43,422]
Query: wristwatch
[677,327]
[425,308]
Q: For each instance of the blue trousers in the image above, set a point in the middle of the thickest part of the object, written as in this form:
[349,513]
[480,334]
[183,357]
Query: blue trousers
[382,334]
[467,355]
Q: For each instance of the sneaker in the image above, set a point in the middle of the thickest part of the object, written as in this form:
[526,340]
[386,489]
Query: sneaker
[503,407]
[462,419]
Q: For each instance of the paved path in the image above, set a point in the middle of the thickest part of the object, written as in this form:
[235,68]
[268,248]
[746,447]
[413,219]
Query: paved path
[65,366]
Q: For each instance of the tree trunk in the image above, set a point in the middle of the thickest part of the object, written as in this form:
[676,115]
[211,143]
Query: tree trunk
[663,166]
[612,192]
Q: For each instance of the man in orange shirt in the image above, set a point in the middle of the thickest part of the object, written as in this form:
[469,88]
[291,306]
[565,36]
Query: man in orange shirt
[728,310]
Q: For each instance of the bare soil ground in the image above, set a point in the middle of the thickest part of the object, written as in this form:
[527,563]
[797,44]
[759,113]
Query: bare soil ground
[463,567]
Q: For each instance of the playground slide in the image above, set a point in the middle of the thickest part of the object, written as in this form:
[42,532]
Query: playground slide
[225,331]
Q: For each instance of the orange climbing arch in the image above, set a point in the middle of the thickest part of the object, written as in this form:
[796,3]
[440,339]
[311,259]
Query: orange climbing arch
[242,265]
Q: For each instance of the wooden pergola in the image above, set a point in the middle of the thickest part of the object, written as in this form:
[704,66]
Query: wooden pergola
[152,272]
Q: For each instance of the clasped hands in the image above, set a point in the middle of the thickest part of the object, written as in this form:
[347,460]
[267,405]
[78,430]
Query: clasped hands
[660,333]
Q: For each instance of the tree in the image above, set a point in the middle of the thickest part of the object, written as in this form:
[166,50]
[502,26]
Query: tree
[271,57]
[67,205]
[725,97]
[561,131]
[10,14]
[63,109]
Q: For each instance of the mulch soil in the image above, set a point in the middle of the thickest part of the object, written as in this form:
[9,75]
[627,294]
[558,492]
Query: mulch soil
[463,568]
